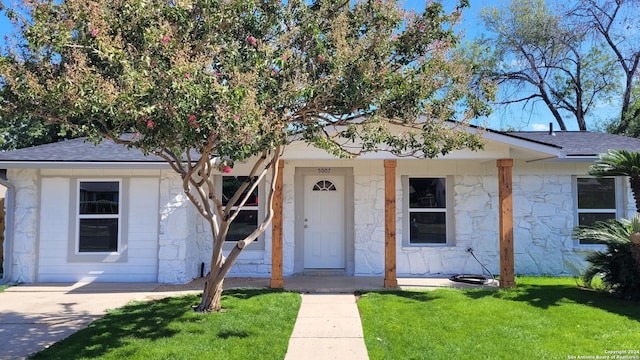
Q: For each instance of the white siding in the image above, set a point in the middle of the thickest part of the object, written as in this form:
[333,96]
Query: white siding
[141,262]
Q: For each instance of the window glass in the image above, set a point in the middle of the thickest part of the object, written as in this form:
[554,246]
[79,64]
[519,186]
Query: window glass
[243,225]
[247,220]
[427,211]
[596,201]
[594,193]
[324,185]
[231,184]
[98,216]
[428,228]
[99,197]
[427,193]
[590,218]
[98,235]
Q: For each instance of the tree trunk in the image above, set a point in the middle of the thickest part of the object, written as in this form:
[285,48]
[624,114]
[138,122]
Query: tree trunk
[211,295]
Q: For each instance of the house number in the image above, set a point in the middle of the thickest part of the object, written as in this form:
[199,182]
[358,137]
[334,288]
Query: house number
[324,170]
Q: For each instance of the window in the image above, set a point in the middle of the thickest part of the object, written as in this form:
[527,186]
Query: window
[597,200]
[427,210]
[98,216]
[247,220]
[324,185]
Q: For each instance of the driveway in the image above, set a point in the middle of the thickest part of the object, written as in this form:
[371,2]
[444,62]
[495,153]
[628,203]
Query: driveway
[33,317]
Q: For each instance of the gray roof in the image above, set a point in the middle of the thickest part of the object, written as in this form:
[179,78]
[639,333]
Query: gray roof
[572,143]
[580,143]
[79,150]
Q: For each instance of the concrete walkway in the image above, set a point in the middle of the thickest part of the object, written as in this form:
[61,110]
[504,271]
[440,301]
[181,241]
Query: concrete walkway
[328,327]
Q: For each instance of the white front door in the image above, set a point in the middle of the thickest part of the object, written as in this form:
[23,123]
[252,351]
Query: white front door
[324,221]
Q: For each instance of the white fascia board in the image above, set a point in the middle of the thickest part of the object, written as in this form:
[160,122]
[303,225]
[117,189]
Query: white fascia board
[81,165]
[571,159]
[523,143]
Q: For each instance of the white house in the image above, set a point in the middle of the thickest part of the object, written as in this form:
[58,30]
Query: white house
[79,212]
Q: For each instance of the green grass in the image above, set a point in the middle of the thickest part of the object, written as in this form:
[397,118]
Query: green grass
[257,324]
[543,318]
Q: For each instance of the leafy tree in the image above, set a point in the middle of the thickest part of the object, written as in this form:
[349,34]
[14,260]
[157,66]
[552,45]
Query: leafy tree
[20,133]
[207,83]
[615,24]
[538,55]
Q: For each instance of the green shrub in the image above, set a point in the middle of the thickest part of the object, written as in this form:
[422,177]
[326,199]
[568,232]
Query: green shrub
[617,268]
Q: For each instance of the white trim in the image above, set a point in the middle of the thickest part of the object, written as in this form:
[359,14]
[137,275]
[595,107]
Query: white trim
[618,212]
[259,243]
[448,211]
[79,217]
[555,151]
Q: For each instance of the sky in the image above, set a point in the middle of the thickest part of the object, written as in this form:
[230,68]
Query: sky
[513,117]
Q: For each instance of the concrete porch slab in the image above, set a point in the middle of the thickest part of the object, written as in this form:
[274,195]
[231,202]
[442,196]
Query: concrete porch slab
[349,284]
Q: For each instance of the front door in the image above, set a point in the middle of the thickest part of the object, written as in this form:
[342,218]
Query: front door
[324,222]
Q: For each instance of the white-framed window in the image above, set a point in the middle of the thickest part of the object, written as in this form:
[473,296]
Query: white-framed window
[250,214]
[98,216]
[597,199]
[426,210]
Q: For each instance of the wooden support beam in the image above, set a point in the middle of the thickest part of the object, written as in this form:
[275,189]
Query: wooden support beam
[390,279]
[505,199]
[276,232]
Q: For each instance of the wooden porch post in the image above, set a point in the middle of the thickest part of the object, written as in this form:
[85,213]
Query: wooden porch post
[505,179]
[390,279]
[276,232]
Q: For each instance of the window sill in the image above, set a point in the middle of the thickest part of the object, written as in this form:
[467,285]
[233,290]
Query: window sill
[418,246]
[588,248]
[248,254]
[98,257]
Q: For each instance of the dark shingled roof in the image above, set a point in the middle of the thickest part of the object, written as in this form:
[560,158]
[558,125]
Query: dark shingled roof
[573,143]
[78,150]
[580,143]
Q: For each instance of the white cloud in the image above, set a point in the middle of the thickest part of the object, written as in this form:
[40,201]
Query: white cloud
[539,127]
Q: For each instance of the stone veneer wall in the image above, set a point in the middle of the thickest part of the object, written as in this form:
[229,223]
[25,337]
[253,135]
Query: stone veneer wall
[174,232]
[543,208]
[475,226]
[543,221]
[25,226]
[369,229]
[254,261]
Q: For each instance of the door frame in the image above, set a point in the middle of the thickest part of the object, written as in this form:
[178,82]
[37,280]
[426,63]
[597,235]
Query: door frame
[349,250]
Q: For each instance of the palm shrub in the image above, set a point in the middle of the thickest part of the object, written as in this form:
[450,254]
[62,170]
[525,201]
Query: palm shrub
[620,163]
[634,238]
[619,266]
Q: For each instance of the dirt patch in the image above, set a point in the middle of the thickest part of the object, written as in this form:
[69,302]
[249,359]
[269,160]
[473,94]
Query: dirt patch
[195,284]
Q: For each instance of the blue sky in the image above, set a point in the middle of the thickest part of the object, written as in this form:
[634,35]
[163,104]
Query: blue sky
[514,116]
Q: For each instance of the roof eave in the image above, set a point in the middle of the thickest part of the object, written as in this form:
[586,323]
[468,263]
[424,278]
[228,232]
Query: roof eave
[572,158]
[83,165]
[525,144]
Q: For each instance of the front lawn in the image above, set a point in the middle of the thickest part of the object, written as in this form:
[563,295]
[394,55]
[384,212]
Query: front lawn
[543,318]
[257,324]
